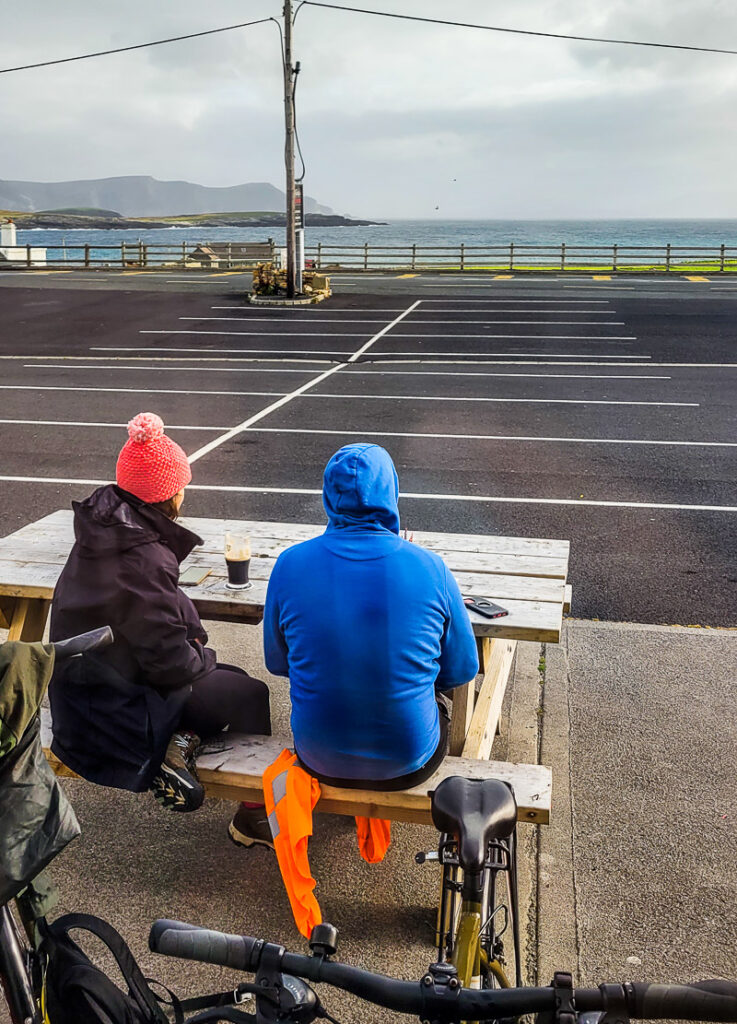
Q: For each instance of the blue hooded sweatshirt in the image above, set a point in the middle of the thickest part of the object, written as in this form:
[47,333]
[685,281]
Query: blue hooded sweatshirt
[365,625]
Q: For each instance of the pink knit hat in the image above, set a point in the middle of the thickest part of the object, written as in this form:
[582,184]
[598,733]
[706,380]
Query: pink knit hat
[150,464]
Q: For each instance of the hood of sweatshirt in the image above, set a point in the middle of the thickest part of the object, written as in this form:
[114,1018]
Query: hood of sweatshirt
[360,490]
[111,520]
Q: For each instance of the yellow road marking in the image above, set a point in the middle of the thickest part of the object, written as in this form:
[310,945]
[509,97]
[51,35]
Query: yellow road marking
[696,277]
[503,277]
[44,272]
[400,276]
[601,277]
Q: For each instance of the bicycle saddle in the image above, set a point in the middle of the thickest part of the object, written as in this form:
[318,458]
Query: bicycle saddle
[475,811]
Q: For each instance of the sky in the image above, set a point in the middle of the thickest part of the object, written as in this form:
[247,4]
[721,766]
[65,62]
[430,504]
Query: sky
[396,119]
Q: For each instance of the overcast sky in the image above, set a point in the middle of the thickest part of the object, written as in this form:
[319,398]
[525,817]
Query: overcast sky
[395,118]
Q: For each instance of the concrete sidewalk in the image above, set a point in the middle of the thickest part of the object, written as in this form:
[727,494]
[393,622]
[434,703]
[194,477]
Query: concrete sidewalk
[635,877]
[638,873]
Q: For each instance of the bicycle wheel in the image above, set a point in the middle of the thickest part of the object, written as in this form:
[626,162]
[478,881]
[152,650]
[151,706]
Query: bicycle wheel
[16,971]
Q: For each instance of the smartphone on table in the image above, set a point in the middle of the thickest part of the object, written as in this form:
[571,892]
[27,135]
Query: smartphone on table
[193,575]
[485,607]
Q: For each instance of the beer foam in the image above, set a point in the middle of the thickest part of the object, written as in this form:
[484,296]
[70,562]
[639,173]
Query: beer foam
[237,547]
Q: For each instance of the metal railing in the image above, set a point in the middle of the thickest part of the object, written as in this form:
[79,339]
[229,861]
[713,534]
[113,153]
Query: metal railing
[516,258]
[138,255]
[508,258]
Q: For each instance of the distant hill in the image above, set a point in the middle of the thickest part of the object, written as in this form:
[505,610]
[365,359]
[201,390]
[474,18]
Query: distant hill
[104,220]
[143,196]
[85,211]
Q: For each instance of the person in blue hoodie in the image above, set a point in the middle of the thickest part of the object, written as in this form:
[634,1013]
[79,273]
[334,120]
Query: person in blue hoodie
[367,626]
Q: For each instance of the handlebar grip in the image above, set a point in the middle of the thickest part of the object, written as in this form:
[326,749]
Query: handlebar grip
[190,942]
[85,642]
[705,1000]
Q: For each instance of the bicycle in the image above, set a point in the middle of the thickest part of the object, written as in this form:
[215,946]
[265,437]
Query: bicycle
[21,965]
[477,821]
[282,994]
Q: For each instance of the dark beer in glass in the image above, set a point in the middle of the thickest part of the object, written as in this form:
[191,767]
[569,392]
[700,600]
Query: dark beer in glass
[237,560]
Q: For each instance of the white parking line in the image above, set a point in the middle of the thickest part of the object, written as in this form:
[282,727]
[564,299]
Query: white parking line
[146,391]
[218,352]
[241,427]
[277,311]
[173,369]
[226,355]
[490,373]
[384,331]
[327,320]
[362,334]
[87,423]
[465,398]
[498,437]
[474,299]
[418,495]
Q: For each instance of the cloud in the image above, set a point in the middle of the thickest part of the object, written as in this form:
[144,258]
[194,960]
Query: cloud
[390,112]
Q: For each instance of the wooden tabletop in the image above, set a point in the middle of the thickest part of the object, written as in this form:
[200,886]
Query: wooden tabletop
[526,576]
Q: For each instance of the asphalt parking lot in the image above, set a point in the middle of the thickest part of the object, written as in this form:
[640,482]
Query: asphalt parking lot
[598,411]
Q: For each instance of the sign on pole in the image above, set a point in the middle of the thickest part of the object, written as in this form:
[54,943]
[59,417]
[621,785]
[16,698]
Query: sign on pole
[299,217]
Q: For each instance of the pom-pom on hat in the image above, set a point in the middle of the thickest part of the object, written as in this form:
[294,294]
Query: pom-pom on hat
[150,464]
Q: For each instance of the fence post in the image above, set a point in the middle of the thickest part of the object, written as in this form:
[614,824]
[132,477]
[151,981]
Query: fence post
[87,254]
[562,255]
[184,253]
[511,255]
[140,253]
[667,258]
[721,258]
[414,255]
[28,255]
[144,256]
[365,255]
[463,256]
[614,256]
[230,255]
[122,254]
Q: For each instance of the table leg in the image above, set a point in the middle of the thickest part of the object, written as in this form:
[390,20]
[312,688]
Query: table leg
[463,699]
[28,619]
[496,661]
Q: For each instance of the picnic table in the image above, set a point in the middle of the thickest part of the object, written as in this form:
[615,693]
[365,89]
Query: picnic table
[526,576]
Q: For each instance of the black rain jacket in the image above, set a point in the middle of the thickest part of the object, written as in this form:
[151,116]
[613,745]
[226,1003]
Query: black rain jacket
[114,710]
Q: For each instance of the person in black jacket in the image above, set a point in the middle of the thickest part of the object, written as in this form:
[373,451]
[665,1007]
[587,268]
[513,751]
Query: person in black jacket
[132,715]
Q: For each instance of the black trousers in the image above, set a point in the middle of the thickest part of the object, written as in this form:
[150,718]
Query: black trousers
[227,698]
[422,774]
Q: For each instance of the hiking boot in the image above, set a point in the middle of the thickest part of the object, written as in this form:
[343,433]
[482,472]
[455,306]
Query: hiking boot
[176,786]
[250,827]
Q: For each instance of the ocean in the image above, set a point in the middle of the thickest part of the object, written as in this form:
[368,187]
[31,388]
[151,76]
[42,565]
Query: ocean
[425,232]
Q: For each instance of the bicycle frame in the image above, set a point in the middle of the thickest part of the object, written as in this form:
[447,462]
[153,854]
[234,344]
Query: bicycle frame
[469,937]
[16,971]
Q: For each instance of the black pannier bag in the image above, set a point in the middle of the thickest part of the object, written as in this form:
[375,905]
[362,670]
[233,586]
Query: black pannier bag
[77,992]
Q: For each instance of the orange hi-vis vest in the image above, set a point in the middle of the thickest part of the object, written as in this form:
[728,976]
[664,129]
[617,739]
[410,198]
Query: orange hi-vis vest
[291,794]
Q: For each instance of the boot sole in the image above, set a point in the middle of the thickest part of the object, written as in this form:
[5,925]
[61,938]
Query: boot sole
[177,791]
[240,839]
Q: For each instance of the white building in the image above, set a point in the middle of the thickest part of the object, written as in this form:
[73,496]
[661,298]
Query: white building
[11,252]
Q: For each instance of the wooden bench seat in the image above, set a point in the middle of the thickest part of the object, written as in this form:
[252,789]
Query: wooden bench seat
[235,774]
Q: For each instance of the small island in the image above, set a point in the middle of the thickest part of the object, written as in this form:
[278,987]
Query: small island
[104,220]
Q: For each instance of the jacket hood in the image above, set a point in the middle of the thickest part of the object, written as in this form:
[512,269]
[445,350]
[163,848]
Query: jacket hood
[112,520]
[360,489]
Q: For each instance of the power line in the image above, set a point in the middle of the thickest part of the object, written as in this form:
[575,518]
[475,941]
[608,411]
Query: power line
[517,31]
[138,46]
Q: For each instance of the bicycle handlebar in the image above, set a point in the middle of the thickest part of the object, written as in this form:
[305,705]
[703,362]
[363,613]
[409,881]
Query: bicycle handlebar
[84,643]
[188,941]
[706,1001]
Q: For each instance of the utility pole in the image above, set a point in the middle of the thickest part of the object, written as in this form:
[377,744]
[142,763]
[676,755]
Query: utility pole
[289,146]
